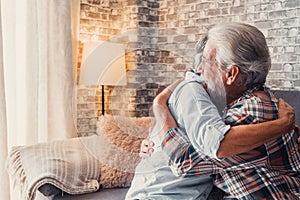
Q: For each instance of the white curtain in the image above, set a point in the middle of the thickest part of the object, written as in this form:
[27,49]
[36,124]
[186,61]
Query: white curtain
[37,69]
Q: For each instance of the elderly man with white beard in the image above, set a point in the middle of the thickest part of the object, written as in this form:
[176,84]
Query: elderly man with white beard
[153,177]
[235,64]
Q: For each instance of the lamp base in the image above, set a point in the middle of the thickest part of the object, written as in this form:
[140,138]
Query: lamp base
[103,111]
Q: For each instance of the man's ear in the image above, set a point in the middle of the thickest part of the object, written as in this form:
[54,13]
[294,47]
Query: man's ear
[231,75]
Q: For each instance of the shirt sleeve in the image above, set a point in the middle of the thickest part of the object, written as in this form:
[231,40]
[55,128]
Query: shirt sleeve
[184,158]
[248,111]
[201,119]
[204,131]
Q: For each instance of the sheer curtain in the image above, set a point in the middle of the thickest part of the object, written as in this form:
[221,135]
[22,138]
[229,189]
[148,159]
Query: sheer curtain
[38,53]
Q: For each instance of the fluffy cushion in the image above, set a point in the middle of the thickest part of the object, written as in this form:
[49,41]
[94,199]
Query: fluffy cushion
[81,165]
[122,137]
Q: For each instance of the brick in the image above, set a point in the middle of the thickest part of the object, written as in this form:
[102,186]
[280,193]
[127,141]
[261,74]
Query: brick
[293,32]
[288,67]
[153,4]
[152,18]
[237,10]
[276,67]
[213,12]
[277,14]
[189,30]
[266,7]
[297,82]
[180,38]
[225,11]
[289,40]
[288,84]
[278,32]
[291,4]
[297,48]
[263,24]
[203,6]
[191,1]
[290,49]
[275,83]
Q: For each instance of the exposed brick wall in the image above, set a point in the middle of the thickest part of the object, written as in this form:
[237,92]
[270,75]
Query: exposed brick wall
[99,21]
[159,38]
[278,20]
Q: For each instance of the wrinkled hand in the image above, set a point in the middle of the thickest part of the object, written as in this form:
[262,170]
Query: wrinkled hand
[146,148]
[286,111]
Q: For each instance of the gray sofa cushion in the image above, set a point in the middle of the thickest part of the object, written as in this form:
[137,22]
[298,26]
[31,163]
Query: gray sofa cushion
[104,194]
[293,98]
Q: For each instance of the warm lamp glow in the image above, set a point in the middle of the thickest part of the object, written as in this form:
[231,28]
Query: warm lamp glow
[103,63]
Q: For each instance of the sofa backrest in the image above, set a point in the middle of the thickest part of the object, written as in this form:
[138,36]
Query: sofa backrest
[293,98]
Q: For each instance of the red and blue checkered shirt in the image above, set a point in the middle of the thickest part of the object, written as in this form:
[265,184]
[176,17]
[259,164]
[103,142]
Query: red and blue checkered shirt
[271,171]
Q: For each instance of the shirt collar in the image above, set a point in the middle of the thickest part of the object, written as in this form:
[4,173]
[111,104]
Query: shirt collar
[193,76]
[247,94]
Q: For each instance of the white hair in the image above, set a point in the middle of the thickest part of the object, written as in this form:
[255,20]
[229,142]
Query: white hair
[199,47]
[245,46]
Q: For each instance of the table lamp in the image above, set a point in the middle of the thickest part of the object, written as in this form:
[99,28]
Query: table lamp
[103,63]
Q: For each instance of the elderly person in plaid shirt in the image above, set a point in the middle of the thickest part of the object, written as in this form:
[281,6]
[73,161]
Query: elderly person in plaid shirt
[235,64]
[153,177]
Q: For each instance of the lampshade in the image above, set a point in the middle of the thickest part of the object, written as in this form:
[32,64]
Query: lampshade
[103,63]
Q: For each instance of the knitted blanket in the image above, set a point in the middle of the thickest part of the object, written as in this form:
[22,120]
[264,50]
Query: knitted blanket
[68,164]
[80,165]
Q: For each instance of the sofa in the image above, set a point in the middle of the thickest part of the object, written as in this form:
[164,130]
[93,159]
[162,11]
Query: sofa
[292,97]
[109,179]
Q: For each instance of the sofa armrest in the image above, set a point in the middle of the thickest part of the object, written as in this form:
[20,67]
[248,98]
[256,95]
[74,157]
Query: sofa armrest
[293,98]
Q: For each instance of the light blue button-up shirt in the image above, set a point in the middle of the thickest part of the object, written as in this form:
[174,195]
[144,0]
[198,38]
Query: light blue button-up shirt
[199,118]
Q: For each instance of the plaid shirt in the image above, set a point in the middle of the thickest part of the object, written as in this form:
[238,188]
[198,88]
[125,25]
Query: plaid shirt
[271,171]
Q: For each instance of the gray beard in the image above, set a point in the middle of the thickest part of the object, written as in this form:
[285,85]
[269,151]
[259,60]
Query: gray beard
[218,95]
